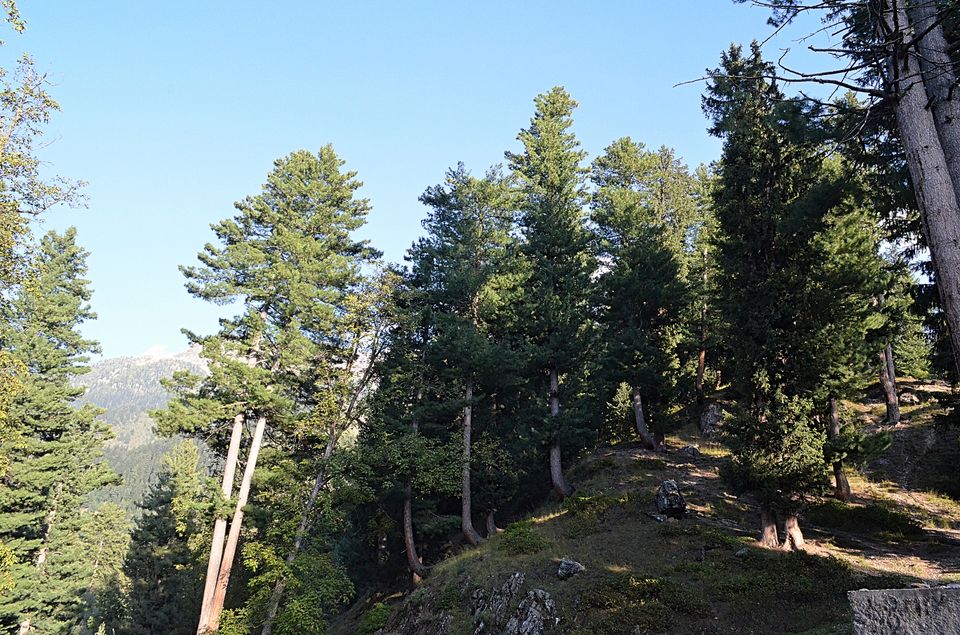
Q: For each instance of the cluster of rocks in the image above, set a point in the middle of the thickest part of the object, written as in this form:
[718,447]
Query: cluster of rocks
[493,610]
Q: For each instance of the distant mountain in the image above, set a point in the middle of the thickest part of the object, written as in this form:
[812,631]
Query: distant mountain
[129,387]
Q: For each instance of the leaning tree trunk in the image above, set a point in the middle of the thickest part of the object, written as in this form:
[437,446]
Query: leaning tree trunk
[646,438]
[230,550]
[929,171]
[940,81]
[842,490]
[414,561]
[492,529]
[220,524]
[466,509]
[768,529]
[793,540]
[889,389]
[560,484]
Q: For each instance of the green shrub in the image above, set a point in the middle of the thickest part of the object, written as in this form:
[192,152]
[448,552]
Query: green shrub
[872,519]
[375,618]
[520,538]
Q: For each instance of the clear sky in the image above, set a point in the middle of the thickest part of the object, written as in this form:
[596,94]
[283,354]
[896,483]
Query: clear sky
[171,111]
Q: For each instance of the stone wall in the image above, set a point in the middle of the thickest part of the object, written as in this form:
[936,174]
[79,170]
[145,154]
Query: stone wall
[906,611]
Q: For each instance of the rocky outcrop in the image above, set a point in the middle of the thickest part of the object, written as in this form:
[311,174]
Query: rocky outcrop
[710,420]
[537,612]
[906,611]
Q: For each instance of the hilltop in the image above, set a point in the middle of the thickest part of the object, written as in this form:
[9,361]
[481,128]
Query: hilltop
[703,573]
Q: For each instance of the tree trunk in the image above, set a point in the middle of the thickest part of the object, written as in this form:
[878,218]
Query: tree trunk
[413,560]
[230,550]
[930,174]
[702,354]
[645,437]
[560,484]
[492,529]
[889,390]
[842,490]
[768,529]
[891,367]
[940,81]
[466,510]
[220,524]
[793,540]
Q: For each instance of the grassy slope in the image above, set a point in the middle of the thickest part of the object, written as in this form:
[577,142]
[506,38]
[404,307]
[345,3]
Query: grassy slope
[704,574]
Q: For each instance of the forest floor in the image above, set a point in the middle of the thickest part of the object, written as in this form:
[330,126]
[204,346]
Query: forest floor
[705,573]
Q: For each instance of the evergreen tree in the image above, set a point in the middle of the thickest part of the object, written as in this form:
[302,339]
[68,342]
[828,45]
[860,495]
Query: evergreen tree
[641,218]
[164,564]
[289,259]
[55,448]
[551,185]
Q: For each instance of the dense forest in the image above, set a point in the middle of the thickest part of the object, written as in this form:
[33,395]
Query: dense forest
[355,422]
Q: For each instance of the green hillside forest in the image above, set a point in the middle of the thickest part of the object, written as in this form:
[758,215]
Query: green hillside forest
[610,393]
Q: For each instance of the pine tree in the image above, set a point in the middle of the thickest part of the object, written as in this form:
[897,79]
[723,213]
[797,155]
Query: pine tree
[289,259]
[642,212]
[55,448]
[551,185]
[763,234]
[164,564]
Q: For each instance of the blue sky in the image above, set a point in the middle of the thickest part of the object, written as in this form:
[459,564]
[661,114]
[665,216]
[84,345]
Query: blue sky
[171,111]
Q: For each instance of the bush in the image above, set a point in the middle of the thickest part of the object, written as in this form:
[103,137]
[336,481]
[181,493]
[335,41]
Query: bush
[375,619]
[870,519]
[521,538]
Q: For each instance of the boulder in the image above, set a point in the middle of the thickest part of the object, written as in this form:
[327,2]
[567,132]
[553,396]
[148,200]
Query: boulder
[909,398]
[536,613]
[690,451]
[906,611]
[569,568]
[670,501]
[710,420]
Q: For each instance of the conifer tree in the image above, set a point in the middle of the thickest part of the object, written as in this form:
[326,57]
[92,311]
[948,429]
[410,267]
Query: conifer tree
[640,215]
[289,261]
[551,184]
[465,264]
[164,564]
[55,448]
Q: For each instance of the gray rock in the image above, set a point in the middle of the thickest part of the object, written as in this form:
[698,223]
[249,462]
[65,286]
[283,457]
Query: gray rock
[537,612]
[690,451]
[909,398]
[906,611]
[569,568]
[742,552]
[670,501]
[491,609]
[710,419]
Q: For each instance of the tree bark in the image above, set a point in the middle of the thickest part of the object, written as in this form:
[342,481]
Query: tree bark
[793,540]
[842,490]
[230,550]
[646,438]
[889,390]
[930,173]
[768,529]
[492,529]
[413,559]
[220,524]
[940,81]
[466,509]
[559,482]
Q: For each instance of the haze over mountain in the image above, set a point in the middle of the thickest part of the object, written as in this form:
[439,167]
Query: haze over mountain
[128,388]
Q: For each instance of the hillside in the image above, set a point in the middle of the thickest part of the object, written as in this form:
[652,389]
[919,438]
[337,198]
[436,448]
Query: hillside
[703,573]
[127,388]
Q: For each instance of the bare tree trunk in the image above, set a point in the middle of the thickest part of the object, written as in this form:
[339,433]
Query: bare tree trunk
[492,529]
[646,438]
[413,560]
[891,367]
[929,172]
[842,490]
[702,354]
[466,510]
[793,540]
[940,81]
[768,529]
[220,524]
[230,550]
[560,484]
[889,390]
